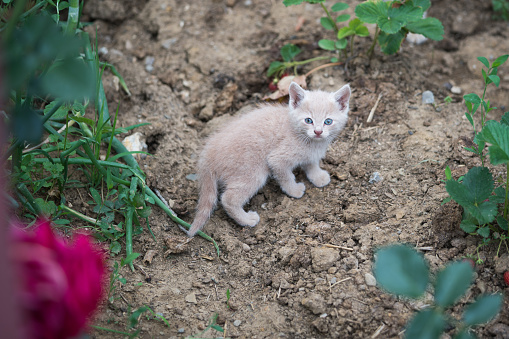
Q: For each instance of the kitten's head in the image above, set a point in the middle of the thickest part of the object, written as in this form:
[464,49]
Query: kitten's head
[317,115]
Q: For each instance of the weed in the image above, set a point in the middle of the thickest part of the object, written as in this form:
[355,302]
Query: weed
[447,100]
[212,325]
[485,200]
[115,275]
[228,297]
[400,270]
[501,7]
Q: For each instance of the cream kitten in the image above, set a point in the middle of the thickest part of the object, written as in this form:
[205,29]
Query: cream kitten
[271,140]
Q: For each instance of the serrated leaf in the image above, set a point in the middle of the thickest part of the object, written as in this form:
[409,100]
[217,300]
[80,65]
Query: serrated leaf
[468,226]
[369,12]
[479,182]
[499,197]
[115,247]
[500,60]
[497,135]
[482,310]
[484,231]
[400,270]
[502,223]
[390,43]
[484,61]
[431,28]
[343,18]
[495,79]
[339,6]
[424,4]
[426,324]
[289,52]
[329,45]
[398,17]
[345,32]
[452,282]
[327,23]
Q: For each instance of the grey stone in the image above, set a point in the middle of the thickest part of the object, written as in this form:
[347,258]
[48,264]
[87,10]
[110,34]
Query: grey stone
[428,97]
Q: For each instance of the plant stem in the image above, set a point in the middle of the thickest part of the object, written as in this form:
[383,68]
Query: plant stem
[375,39]
[330,18]
[73,17]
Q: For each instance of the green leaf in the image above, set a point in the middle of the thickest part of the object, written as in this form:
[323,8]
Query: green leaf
[468,226]
[274,67]
[339,6]
[400,270]
[448,174]
[115,247]
[289,51]
[484,61]
[497,135]
[96,196]
[129,259]
[362,31]
[505,119]
[398,17]
[61,112]
[343,18]
[482,310]
[345,32]
[341,44]
[292,2]
[476,187]
[329,45]
[427,324]
[502,223]
[499,197]
[500,60]
[469,116]
[473,98]
[424,4]
[369,11]
[431,28]
[390,43]
[495,79]
[484,231]
[452,282]
[327,23]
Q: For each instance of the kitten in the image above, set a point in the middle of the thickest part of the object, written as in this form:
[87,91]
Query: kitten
[271,140]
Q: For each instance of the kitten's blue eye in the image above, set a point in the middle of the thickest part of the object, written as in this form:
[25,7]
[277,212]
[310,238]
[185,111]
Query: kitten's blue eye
[328,121]
[308,121]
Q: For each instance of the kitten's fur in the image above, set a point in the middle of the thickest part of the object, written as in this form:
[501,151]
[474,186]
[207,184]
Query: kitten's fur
[271,140]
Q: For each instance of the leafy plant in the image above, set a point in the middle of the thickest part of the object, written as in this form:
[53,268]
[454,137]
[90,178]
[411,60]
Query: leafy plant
[211,325]
[288,53]
[501,7]
[485,204]
[395,19]
[53,74]
[402,271]
[116,276]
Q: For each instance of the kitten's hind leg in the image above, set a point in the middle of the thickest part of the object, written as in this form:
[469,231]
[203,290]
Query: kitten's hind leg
[316,175]
[237,194]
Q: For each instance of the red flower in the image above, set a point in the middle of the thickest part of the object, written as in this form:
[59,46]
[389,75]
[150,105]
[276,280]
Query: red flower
[61,284]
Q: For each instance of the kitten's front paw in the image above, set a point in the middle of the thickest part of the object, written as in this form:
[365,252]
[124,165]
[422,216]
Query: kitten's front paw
[320,179]
[252,219]
[296,191]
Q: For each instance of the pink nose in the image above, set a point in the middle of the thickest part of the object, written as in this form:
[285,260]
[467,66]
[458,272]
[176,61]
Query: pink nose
[318,132]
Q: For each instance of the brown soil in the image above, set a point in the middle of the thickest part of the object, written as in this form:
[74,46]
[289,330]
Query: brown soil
[210,59]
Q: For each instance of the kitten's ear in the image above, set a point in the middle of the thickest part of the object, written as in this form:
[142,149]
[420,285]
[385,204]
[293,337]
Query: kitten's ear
[342,97]
[296,95]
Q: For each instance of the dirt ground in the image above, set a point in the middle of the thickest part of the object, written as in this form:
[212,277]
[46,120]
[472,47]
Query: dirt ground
[190,65]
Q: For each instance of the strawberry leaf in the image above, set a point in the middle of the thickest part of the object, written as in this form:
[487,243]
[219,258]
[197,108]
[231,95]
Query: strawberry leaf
[426,324]
[452,282]
[340,6]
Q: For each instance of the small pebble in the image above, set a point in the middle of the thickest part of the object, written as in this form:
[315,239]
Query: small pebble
[192,177]
[181,330]
[427,97]
[370,279]
[103,51]
[149,63]
[456,90]
[375,177]
[237,323]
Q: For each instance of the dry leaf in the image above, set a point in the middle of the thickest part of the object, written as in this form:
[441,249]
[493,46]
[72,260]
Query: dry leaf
[284,84]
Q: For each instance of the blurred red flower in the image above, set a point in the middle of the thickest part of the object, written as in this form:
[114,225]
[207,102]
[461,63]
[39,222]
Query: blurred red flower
[60,283]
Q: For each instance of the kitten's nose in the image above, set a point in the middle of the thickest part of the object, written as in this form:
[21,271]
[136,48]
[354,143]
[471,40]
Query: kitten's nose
[318,132]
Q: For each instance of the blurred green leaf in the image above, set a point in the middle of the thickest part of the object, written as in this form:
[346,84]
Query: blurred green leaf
[484,61]
[390,43]
[482,310]
[339,6]
[327,23]
[326,44]
[500,60]
[452,282]
[289,52]
[431,28]
[497,135]
[401,270]
[426,324]
[343,18]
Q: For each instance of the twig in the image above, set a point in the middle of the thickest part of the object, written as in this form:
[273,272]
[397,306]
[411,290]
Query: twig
[378,331]
[370,116]
[340,247]
[323,66]
[342,280]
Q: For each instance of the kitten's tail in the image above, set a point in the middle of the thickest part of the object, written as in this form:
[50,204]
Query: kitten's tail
[206,202]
